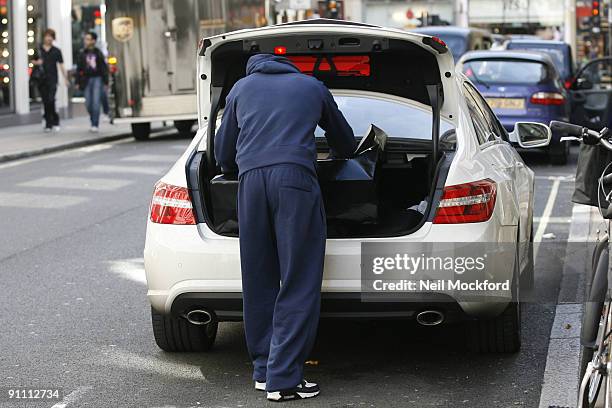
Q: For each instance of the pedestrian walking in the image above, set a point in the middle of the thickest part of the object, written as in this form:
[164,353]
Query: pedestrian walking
[92,73]
[267,137]
[45,72]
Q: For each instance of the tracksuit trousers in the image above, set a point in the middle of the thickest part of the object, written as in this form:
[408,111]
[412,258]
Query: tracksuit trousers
[282,228]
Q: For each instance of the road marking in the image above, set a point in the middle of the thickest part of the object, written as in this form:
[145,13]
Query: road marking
[568,178]
[107,168]
[149,363]
[19,162]
[78,183]
[95,148]
[560,383]
[554,220]
[544,219]
[44,201]
[132,269]
[72,397]
[164,158]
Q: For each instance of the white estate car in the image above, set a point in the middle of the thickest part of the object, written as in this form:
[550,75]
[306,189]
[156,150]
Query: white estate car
[446,151]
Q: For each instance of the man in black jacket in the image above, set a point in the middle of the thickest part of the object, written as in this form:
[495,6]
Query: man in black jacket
[92,73]
[46,60]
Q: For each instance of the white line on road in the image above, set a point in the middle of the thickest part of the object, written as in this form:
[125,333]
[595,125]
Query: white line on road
[77,183]
[544,219]
[132,269]
[45,201]
[72,397]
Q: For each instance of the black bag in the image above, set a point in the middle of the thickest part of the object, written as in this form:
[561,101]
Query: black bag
[592,161]
[349,186]
[38,75]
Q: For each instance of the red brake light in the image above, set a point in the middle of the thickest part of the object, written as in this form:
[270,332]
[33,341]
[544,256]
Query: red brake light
[280,50]
[439,41]
[547,98]
[346,65]
[171,205]
[466,203]
[568,83]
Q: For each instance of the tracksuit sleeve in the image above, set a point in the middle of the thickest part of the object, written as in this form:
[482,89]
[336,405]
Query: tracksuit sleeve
[226,138]
[338,132]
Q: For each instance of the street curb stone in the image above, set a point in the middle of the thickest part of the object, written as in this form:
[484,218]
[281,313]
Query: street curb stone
[60,147]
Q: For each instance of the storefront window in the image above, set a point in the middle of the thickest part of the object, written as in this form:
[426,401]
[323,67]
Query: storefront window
[87,16]
[36,27]
[5,58]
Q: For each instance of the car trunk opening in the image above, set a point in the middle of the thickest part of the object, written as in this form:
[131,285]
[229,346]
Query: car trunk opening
[407,174]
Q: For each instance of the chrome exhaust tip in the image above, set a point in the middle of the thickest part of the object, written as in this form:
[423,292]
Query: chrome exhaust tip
[430,318]
[199,317]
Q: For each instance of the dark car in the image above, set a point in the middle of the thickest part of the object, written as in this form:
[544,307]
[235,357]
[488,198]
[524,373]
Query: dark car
[591,94]
[458,39]
[521,86]
[560,52]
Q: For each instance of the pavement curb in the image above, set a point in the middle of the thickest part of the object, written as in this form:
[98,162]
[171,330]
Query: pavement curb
[561,375]
[60,147]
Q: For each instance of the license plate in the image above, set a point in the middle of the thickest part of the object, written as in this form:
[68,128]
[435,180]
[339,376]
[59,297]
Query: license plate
[506,103]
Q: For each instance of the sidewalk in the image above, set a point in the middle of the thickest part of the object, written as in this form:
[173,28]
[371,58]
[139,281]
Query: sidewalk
[17,142]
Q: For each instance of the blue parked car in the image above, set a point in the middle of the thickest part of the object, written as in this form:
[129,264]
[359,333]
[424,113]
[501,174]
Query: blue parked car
[521,86]
[458,39]
[560,52]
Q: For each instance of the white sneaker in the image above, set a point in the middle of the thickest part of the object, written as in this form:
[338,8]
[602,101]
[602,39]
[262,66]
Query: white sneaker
[56,129]
[47,130]
[94,129]
[302,391]
[260,386]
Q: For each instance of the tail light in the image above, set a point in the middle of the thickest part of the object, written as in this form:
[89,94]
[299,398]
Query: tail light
[547,98]
[568,83]
[171,205]
[465,203]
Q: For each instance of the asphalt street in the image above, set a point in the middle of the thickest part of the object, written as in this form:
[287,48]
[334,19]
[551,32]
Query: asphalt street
[75,316]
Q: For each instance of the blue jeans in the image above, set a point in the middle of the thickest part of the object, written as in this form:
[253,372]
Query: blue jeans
[93,97]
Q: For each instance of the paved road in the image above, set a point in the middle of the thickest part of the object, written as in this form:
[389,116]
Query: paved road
[74,312]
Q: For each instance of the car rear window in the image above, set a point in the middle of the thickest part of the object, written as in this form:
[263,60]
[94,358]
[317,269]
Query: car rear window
[457,44]
[505,71]
[397,119]
[556,54]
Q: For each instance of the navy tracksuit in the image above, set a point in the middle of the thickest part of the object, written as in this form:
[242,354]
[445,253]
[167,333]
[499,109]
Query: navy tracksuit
[267,135]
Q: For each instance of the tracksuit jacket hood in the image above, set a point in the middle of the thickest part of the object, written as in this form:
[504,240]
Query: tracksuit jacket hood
[270,117]
[270,64]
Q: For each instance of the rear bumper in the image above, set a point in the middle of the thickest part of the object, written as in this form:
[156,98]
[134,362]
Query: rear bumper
[189,266]
[227,306]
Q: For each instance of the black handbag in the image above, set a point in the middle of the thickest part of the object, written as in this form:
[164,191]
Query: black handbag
[592,162]
[38,75]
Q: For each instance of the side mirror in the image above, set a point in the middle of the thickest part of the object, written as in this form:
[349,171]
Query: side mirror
[530,135]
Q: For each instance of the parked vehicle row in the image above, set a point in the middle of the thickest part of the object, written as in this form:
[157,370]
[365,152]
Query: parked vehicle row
[528,79]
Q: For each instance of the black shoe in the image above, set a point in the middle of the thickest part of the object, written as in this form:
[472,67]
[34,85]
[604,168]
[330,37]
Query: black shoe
[303,390]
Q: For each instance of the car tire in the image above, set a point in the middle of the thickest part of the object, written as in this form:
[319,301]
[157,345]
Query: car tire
[174,334]
[528,275]
[184,126]
[559,153]
[141,131]
[501,334]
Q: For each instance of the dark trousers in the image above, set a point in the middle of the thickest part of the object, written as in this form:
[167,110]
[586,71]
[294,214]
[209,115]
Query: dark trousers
[47,93]
[282,247]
